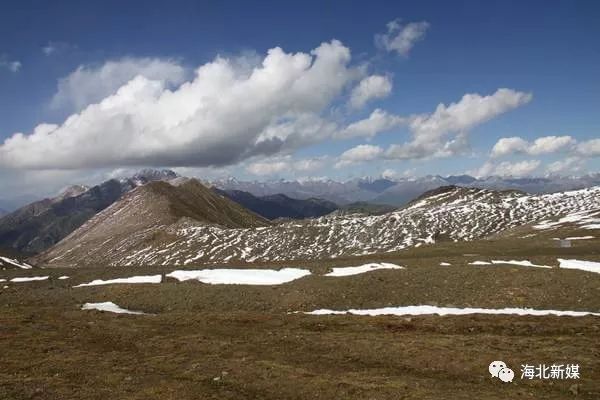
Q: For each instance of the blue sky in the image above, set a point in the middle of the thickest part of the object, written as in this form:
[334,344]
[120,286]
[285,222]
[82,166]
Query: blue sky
[546,53]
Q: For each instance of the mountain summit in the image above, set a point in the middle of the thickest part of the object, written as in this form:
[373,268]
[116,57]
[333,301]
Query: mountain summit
[39,225]
[151,175]
[149,216]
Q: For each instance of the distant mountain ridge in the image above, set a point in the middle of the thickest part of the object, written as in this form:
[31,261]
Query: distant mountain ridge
[400,191]
[279,205]
[336,192]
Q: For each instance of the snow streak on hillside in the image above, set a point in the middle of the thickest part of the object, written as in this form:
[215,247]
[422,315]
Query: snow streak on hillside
[453,214]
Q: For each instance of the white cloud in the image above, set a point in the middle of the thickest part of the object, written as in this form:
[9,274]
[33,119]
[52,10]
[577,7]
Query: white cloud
[392,174]
[472,110]
[542,145]
[510,145]
[566,166]
[310,164]
[285,164]
[378,121]
[226,114]
[36,184]
[590,148]
[507,169]
[11,65]
[402,38]
[56,47]
[294,131]
[90,84]
[361,153]
[551,144]
[444,132]
[268,167]
[370,88]
[49,49]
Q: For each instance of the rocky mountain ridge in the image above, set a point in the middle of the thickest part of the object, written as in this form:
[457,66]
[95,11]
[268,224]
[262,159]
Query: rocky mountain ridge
[39,225]
[452,213]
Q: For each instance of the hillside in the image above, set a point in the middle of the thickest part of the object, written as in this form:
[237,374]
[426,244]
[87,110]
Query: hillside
[453,214]
[39,225]
[365,207]
[146,217]
[279,205]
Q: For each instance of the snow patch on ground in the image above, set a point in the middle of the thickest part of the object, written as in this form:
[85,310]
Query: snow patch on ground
[29,279]
[63,277]
[575,238]
[589,266]
[523,263]
[241,276]
[445,264]
[110,307]
[347,271]
[133,279]
[480,263]
[587,219]
[16,263]
[429,310]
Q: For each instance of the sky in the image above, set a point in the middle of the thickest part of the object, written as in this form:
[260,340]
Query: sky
[267,90]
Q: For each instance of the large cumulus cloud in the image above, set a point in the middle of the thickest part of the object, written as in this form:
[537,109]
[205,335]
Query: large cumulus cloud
[444,132]
[226,114]
[89,84]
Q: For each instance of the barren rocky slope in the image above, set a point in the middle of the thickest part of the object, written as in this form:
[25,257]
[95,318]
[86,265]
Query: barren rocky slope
[143,216]
[39,225]
[452,213]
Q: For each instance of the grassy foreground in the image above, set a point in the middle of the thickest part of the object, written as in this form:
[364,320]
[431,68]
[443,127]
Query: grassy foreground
[244,342]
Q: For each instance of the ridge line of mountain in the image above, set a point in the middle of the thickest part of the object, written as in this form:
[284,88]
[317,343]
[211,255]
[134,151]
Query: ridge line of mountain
[39,225]
[134,231]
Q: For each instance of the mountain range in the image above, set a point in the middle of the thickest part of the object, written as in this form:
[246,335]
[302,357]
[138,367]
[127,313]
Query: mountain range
[143,227]
[39,225]
[279,205]
[398,192]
